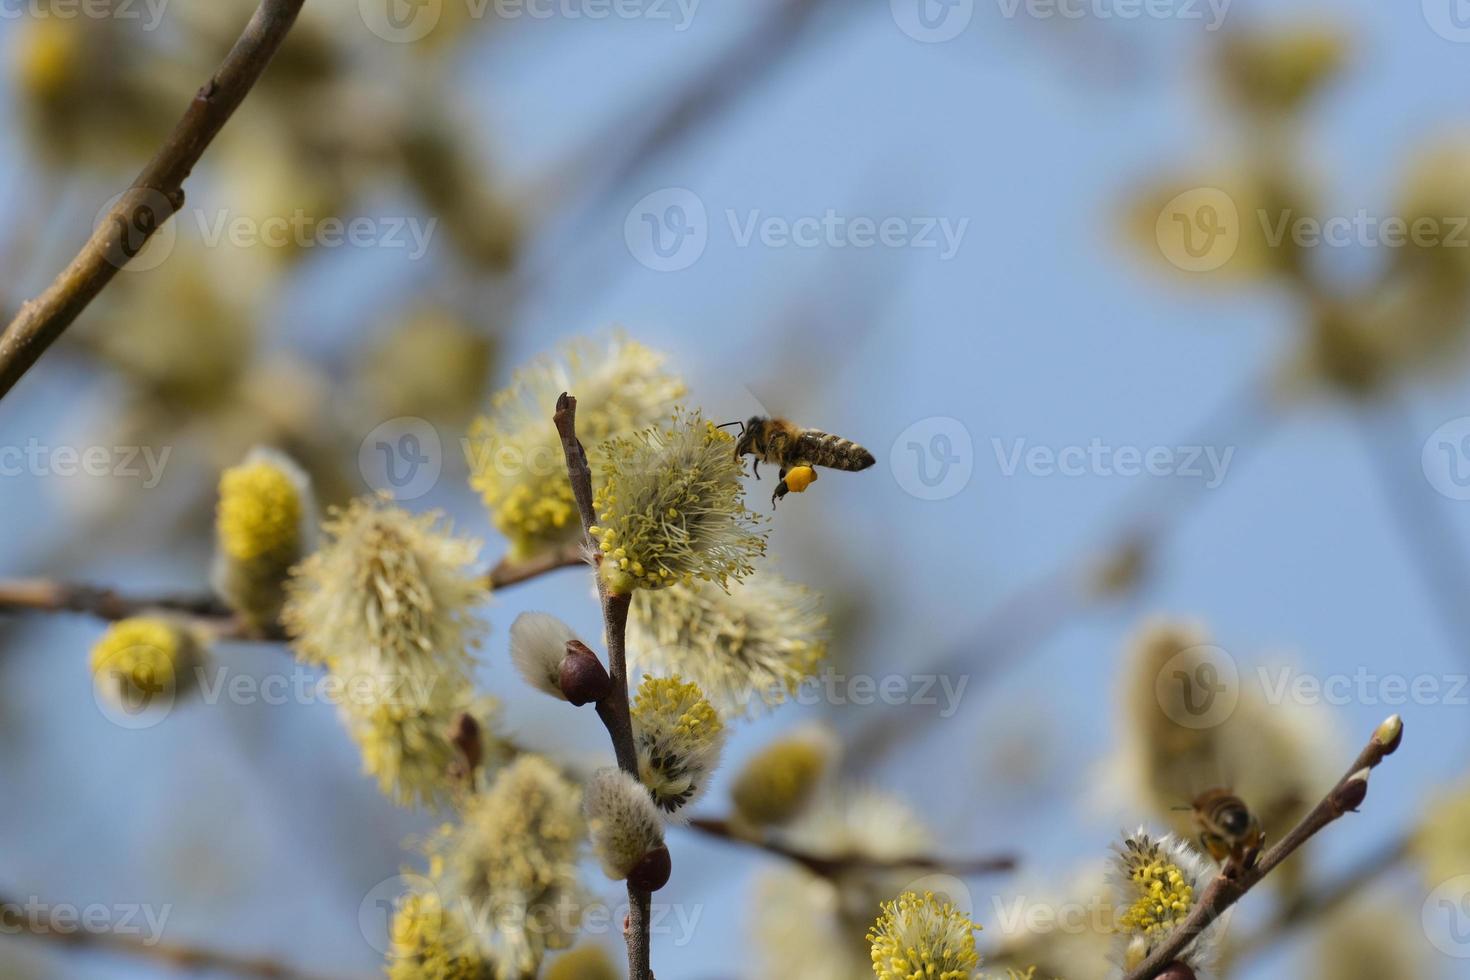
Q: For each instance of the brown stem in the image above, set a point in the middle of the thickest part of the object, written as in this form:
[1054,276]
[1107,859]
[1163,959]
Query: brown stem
[613,710]
[508,573]
[41,595]
[1345,797]
[827,866]
[15,920]
[154,197]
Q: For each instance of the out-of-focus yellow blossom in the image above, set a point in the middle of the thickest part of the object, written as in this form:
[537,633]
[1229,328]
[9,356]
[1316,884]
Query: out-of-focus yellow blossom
[778,782]
[671,509]
[430,944]
[388,591]
[264,523]
[434,365]
[404,725]
[515,454]
[1374,937]
[1441,844]
[583,963]
[1275,71]
[145,660]
[679,737]
[510,867]
[1220,226]
[483,224]
[89,91]
[747,648]
[921,937]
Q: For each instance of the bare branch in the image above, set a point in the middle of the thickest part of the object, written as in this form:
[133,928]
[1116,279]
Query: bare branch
[16,921]
[41,595]
[156,195]
[828,866]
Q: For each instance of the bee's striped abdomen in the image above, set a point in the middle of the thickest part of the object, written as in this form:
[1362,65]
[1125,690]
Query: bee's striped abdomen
[834,452]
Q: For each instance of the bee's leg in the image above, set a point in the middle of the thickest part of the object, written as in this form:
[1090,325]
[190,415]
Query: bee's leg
[1252,852]
[781,490]
[755,465]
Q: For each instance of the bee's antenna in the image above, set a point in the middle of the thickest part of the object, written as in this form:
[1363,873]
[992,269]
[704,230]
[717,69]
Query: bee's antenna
[728,424]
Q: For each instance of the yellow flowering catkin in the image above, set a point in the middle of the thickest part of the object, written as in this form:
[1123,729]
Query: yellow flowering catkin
[671,509]
[679,737]
[144,660]
[921,937]
[515,454]
[262,528]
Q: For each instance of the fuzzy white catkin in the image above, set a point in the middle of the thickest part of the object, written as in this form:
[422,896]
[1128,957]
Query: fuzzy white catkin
[623,820]
[538,643]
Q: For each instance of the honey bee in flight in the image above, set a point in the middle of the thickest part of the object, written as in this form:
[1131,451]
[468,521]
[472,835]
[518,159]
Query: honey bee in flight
[797,451]
[1228,830]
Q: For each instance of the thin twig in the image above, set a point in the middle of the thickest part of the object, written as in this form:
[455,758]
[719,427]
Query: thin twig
[42,595]
[15,921]
[156,195]
[613,710]
[1228,888]
[831,865]
[508,573]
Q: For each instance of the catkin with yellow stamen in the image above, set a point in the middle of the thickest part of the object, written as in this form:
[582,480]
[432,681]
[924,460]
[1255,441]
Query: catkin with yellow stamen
[264,524]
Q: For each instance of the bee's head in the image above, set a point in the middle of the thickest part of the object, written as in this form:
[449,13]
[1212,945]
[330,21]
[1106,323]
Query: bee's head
[749,431]
[1235,820]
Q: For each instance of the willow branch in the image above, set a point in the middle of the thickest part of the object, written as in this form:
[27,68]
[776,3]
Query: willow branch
[831,865]
[43,595]
[154,197]
[14,921]
[613,709]
[1230,887]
